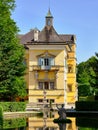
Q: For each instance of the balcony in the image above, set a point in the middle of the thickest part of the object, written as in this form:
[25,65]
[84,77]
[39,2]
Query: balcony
[48,68]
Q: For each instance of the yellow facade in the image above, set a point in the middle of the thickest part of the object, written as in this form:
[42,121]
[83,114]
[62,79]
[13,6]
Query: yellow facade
[51,66]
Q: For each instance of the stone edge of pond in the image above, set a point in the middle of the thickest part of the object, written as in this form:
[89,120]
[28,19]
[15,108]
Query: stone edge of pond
[8,115]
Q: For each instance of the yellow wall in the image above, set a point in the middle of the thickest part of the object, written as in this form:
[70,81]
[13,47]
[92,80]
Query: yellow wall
[71,77]
[51,75]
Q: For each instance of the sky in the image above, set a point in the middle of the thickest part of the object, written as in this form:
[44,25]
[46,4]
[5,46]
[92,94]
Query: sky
[78,17]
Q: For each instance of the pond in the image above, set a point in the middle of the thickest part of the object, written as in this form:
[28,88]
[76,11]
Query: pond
[46,123]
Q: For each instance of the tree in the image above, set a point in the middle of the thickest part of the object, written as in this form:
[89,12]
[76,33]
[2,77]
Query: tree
[12,67]
[87,77]
[84,87]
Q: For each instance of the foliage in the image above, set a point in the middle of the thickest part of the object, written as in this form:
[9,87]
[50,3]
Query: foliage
[14,123]
[13,106]
[87,76]
[1,117]
[12,68]
[87,98]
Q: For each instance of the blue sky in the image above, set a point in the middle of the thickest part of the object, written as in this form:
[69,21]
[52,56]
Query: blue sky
[79,17]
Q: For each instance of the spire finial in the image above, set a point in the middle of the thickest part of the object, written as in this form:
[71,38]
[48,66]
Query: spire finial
[49,4]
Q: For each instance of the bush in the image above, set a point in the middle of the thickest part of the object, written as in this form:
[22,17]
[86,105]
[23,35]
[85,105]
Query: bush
[14,123]
[13,106]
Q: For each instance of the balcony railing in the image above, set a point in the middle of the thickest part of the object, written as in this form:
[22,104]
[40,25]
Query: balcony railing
[39,68]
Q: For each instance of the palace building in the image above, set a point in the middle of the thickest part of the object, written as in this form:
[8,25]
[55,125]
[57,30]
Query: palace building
[51,65]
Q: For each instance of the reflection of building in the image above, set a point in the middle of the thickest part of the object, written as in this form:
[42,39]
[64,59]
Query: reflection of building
[39,125]
[51,62]
[47,124]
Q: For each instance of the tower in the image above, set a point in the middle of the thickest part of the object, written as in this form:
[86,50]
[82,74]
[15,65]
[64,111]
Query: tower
[49,19]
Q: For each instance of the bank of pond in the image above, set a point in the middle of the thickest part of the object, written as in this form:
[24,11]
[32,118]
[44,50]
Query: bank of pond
[39,123]
[85,116]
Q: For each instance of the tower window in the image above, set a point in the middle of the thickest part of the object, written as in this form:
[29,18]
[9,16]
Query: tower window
[49,22]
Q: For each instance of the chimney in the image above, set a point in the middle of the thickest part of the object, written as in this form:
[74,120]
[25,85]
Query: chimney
[36,32]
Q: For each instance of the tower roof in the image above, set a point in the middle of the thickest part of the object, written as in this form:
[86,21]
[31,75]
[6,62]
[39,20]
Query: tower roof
[49,13]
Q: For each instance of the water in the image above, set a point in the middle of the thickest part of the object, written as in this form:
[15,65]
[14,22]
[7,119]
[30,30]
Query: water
[46,123]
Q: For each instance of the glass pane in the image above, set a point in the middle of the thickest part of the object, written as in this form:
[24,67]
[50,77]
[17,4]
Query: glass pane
[51,61]
[40,85]
[51,85]
[46,85]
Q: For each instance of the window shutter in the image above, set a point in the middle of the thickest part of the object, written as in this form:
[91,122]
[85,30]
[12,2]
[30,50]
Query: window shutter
[51,61]
[39,61]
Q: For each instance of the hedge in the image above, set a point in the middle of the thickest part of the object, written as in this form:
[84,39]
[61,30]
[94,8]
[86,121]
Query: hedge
[13,106]
[14,123]
[87,105]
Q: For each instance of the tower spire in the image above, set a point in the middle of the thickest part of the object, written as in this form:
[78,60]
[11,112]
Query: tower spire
[49,18]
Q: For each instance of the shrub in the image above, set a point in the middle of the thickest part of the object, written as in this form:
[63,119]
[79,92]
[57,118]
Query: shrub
[14,123]
[13,106]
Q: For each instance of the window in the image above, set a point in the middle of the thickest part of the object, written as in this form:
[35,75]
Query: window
[46,85]
[48,100]
[49,22]
[40,100]
[46,62]
[51,85]
[69,87]
[52,100]
[70,69]
[40,85]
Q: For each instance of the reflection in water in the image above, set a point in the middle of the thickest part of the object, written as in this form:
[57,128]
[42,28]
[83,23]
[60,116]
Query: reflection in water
[90,123]
[14,124]
[62,126]
[38,123]
[46,123]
